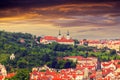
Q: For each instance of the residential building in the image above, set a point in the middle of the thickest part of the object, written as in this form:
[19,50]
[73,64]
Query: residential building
[111,44]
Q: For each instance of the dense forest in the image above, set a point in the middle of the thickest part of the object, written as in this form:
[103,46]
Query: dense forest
[29,53]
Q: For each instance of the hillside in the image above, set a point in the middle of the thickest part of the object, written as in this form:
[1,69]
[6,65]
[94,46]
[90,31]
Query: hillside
[30,54]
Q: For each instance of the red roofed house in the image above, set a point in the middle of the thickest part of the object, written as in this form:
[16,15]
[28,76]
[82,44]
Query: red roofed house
[111,76]
[60,39]
[111,44]
[64,74]
[107,65]
[93,75]
[48,39]
[106,71]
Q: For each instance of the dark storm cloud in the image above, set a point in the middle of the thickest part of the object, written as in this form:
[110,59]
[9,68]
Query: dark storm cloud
[50,11]
[43,3]
[32,3]
[29,3]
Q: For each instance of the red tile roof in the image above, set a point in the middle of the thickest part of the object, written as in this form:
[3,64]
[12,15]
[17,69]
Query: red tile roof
[106,63]
[106,71]
[93,75]
[93,41]
[10,75]
[1,77]
[73,57]
[65,74]
[48,72]
[118,65]
[63,39]
[50,38]
[108,78]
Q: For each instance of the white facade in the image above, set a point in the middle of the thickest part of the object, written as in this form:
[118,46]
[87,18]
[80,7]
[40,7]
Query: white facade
[112,44]
[108,66]
[12,56]
[3,70]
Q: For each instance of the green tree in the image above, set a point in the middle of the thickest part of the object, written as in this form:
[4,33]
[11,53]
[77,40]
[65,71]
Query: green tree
[113,52]
[22,74]
[22,63]
[76,41]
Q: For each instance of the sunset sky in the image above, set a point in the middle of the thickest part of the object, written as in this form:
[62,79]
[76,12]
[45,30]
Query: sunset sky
[90,19]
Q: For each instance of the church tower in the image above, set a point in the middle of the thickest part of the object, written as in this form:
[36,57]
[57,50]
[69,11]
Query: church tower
[59,35]
[68,35]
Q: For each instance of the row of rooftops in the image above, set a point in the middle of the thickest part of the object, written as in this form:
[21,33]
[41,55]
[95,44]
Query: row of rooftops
[81,71]
[101,41]
[110,70]
[65,39]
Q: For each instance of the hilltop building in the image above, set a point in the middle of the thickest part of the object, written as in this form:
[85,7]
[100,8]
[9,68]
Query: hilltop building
[59,39]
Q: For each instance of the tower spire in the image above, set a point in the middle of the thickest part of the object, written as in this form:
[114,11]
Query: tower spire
[68,33]
[59,32]
[59,35]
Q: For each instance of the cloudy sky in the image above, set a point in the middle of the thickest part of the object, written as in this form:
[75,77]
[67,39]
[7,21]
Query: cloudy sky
[90,19]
